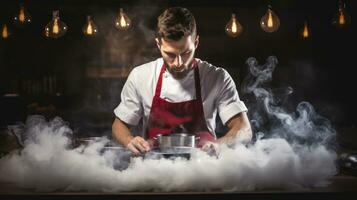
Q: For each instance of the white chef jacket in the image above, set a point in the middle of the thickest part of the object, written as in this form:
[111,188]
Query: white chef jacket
[218,91]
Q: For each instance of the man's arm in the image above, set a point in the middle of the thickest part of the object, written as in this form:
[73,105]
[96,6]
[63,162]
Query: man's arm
[239,130]
[122,134]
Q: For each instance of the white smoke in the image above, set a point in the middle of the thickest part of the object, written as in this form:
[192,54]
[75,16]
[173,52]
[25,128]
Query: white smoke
[293,155]
[269,115]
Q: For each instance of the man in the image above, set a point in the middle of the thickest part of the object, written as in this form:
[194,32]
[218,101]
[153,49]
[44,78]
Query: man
[179,93]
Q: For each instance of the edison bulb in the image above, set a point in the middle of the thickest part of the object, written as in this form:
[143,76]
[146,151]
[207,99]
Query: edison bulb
[122,22]
[341,18]
[55,28]
[233,27]
[22,17]
[90,29]
[270,22]
[305,31]
[5,32]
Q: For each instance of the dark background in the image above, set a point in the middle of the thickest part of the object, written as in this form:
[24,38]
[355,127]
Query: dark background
[320,69]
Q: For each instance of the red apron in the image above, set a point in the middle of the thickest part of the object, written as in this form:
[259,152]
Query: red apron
[188,116]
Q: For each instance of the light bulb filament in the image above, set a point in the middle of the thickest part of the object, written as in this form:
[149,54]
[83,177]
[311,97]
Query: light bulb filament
[5,33]
[122,21]
[305,33]
[234,26]
[89,29]
[270,19]
[55,28]
[341,19]
[22,15]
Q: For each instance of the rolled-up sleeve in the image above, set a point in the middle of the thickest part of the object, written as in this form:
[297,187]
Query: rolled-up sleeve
[228,102]
[130,108]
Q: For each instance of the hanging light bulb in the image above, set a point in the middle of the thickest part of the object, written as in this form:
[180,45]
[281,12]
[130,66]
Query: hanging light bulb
[234,28]
[305,31]
[5,32]
[22,18]
[270,21]
[55,28]
[342,18]
[122,22]
[90,29]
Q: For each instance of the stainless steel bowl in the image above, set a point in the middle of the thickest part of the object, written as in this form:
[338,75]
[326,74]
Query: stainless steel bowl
[176,142]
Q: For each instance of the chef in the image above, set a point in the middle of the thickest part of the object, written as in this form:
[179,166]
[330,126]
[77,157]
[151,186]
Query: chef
[178,92]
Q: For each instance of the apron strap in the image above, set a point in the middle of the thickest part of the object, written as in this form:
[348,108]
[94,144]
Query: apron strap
[197,84]
[159,82]
[197,81]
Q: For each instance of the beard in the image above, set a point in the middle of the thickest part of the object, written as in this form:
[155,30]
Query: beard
[179,72]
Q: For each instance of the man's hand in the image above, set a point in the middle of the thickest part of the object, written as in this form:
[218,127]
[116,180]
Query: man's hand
[122,134]
[138,144]
[211,148]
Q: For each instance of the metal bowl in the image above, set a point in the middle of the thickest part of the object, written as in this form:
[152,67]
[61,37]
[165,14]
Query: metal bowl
[176,142]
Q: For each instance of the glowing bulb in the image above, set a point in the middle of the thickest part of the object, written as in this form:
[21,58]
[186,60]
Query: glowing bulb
[5,33]
[342,18]
[55,28]
[270,21]
[89,29]
[122,22]
[233,27]
[305,31]
[22,18]
[22,15]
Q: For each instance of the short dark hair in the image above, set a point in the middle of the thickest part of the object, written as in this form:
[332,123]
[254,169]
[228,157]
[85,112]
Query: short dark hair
[175,23]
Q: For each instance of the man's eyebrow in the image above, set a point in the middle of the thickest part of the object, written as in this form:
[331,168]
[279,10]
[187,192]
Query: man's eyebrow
[188,50]
[167,52]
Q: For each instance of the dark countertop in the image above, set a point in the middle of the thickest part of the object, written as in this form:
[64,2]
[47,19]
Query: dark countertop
[343,186]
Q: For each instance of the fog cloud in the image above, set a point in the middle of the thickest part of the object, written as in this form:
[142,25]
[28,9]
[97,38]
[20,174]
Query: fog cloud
[291,152]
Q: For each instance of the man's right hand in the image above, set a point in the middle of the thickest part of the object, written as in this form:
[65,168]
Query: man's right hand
[138,144]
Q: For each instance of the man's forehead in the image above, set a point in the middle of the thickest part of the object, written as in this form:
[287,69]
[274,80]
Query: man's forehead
[183,44]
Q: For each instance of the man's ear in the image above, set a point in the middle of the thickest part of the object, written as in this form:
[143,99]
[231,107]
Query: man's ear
[158,43]
[197,40]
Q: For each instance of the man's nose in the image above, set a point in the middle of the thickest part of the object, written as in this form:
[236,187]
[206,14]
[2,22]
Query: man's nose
[178,61]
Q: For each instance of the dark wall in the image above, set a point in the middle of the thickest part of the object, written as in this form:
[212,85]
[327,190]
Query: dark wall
[320,69]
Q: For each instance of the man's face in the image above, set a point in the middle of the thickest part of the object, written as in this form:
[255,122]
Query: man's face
[178,55]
